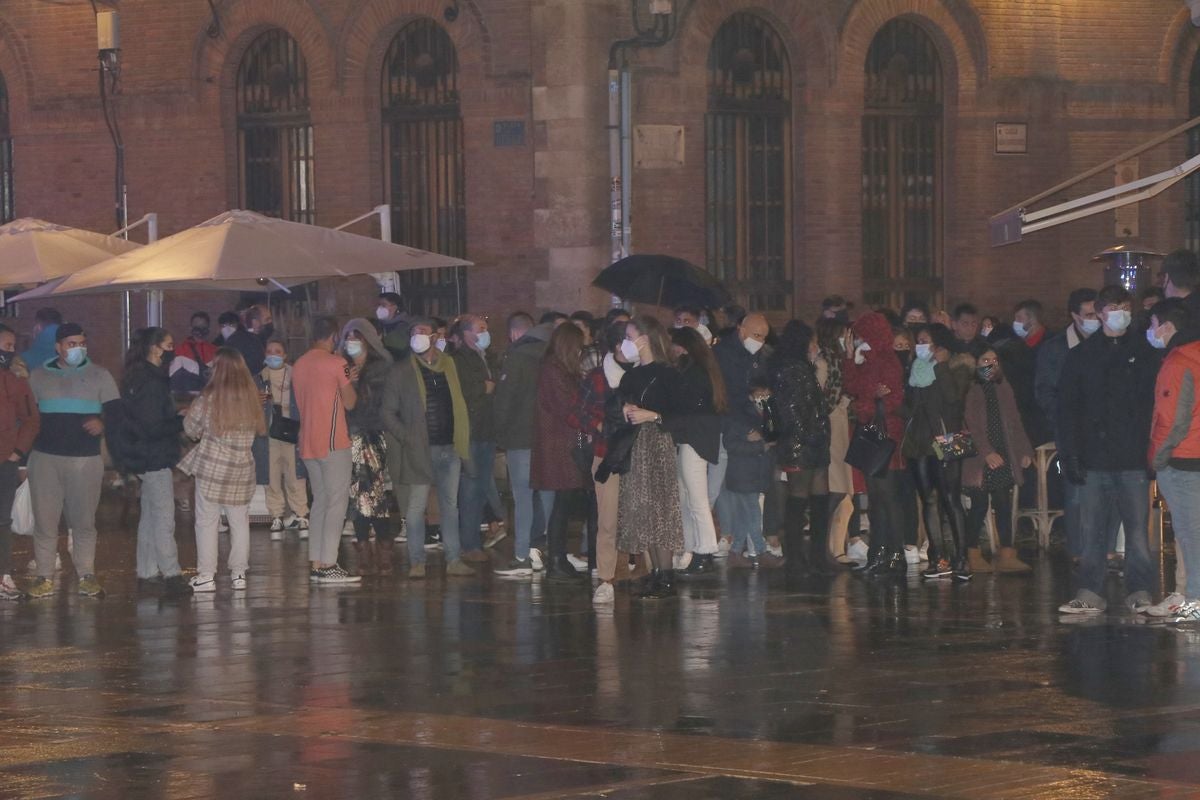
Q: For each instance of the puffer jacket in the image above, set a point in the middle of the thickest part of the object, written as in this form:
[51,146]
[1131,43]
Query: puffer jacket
[929,409]
[880,367]
[803,415]
[1175,430]
[153,424]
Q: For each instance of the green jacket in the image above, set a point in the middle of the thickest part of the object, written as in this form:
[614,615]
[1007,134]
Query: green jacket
[515,402]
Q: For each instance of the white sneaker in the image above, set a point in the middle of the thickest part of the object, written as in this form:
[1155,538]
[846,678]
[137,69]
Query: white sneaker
[239,581]
[604,595]
[578,562]
[924,551]
[776,551]
[203,583]
[681,560]
[7,584]
[723,546]
[911,554]
[535,557]
[277,525]
[1169,606]
[858,551]
[302,527]
[290,520]
[402,536]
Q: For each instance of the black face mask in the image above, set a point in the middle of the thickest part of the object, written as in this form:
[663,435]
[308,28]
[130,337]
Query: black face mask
[906,357]
[6,359]
[167,357]
[842,316]
[199,333]
[267,330]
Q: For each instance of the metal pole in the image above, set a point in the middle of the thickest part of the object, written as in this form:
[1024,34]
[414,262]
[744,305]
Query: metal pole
[154,297]
[126,297]
[626,160]
[616,199]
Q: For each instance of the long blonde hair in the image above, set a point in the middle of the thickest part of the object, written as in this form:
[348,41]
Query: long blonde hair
[232,396]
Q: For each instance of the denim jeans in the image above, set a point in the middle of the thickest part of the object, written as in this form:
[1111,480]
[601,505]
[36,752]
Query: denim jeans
[473,492]
[529,507]
[447,468]
[157,553]
[743,519]
[9,472]
[1073,522]
[716,476]
[1181,488]
[1108,496]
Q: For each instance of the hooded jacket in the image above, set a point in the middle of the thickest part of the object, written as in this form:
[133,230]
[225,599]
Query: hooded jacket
[1106,402]
[153,425]
[366,416]
[515,404]
[880,367]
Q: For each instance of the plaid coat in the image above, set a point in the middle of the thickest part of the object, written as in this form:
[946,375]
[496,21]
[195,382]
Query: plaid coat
[223,465]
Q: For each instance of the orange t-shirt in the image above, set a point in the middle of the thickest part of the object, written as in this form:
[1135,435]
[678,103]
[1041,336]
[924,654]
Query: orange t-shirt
[317,379]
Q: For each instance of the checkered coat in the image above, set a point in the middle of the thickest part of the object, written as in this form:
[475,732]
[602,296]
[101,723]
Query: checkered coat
[223,465]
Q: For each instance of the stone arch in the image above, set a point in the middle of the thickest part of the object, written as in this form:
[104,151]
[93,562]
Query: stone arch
[1181,44]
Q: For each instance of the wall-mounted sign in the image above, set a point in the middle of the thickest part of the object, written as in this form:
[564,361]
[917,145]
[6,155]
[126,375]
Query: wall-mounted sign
[658,146]
[508,133]
[1012,138]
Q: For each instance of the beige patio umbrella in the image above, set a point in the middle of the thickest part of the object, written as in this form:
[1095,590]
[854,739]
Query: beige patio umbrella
[34,251]
[245,251]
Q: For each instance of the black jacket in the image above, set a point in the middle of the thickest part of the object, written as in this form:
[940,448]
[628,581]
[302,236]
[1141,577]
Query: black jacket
[1106,402]
[740,371]
[514,403]
[650,387]
[1019,362]
[251,346]
[151,425]
[1051,357]
[693,421]
[803,415]
[366,416]
[928,408]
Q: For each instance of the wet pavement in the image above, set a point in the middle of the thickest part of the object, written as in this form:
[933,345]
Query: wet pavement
[747,686]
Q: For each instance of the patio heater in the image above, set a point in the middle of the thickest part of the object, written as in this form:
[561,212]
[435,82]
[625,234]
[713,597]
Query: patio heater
[1128,266]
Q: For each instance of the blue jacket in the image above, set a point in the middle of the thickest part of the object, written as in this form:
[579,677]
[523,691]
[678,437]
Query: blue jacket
[42,349]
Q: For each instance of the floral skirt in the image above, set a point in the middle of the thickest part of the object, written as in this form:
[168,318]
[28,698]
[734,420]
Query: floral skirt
[648,507]
[369,479]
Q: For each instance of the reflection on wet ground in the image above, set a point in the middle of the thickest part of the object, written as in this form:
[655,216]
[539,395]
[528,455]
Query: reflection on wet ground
[750,685]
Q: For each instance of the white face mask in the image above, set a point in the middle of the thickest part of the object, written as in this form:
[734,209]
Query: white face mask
[354,348]
[227,331]
[382,314]
[1019,329]
[1154,340]
[441,345]
[630,351]
[1118,321]
[419,343]
[1089,326]
[483,340]
[925,352]
[752,345]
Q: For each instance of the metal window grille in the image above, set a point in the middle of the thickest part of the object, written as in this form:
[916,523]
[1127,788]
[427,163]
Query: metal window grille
[1191,205]
[901,168]
[749,162]
[423,161]
[7,203]
[275,134]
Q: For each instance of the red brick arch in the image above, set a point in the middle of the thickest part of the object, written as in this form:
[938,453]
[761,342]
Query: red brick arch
[16,65]
[955,30]
[1180,45]
[368,32]
[806,34]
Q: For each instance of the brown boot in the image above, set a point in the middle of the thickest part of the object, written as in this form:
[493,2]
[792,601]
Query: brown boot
[1007,561]
[383,557]
[977,561]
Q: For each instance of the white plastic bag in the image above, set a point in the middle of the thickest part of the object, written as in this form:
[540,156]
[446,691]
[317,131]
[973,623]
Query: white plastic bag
[22,512]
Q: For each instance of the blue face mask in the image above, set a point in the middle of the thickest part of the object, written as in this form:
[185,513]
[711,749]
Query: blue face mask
[275,362]
[1155,341]
[75,356]
[484,340]
[354,348]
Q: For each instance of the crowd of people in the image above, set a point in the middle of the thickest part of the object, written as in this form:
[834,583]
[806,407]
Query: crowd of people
[673,447]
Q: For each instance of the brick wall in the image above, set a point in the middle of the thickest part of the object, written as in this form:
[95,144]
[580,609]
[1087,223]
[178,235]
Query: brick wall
[1089,84]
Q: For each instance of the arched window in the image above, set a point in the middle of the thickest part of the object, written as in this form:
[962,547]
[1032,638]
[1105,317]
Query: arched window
[1191,233]
[7,206]
[275,135]
[748,154]
[423,161]
[902,168]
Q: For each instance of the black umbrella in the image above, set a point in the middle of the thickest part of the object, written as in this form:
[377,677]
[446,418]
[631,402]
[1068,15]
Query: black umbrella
[662,281]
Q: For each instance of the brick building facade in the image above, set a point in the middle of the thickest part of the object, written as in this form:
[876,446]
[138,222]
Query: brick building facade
[814,93]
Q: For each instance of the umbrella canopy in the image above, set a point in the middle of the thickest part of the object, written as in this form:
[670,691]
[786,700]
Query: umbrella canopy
[245,251]
[662,281]
[34,251]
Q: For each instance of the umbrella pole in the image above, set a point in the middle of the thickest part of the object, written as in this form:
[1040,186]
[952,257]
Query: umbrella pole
[661,283]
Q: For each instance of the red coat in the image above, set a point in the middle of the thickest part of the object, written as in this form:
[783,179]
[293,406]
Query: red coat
[552,465]
[880,366]
[19,418]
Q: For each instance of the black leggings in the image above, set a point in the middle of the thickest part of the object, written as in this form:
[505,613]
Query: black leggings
[883,509]
[939,485]
[1001,501]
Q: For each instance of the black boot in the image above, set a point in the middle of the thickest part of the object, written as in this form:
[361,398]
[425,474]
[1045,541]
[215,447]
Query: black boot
[647,592]
[666,586]
[793,535]
[702,564]
[560,570]
[819,559]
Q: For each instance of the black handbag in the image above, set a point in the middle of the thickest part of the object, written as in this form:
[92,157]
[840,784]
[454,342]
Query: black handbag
[871,449]
[282,428]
